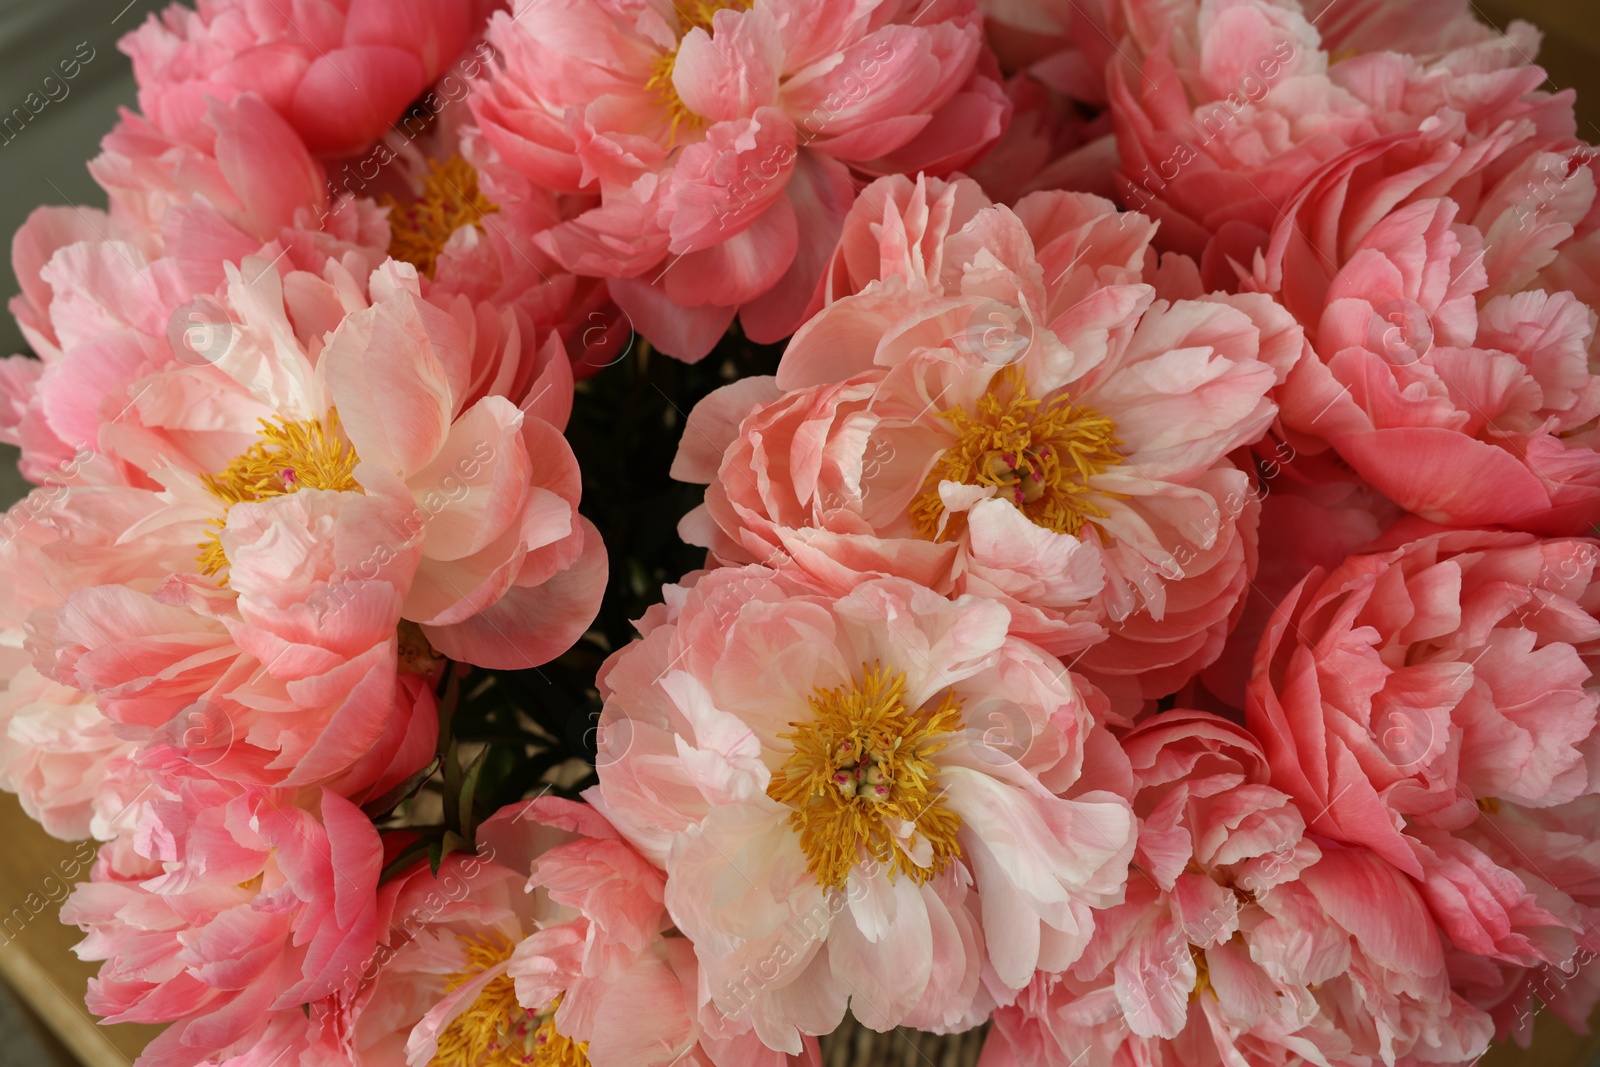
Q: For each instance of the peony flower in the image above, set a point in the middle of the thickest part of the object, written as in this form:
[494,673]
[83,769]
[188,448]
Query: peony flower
[1449,375]
[108,298]
[580,970]
[231,911]
[63,759]
[1433,702]
[721,139]
[858,799]
[372,519]
[67,763]
[994,403]
[1230,107]
[1064,44]
[1241,940]
[339,71]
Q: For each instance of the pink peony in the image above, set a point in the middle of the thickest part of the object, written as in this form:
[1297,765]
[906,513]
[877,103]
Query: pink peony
[340,71]
[372,518]
[1435,703]
[64,761]
[579,970]
[107,298]
[1449,374]
[1224,117]
[1241,940]
[67,763]
[1062,43]
[994,403]
[721,140]
[231,911]
[858,799]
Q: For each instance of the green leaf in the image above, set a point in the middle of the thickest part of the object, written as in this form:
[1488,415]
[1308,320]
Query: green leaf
[384,805]
[452,787]
[469,789]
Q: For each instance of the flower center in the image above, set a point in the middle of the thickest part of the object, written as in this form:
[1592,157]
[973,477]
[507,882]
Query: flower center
[1040,456]
[289,457]
[496,1031]
[450,199]
[695,14]
[860,780]
[1202,974]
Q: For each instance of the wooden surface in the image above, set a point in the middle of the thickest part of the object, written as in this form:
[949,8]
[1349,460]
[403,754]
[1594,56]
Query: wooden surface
[36,957]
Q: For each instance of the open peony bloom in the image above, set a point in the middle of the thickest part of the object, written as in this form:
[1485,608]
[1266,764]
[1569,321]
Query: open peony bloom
[1452,359]
[720,137]
[581,971]
[340,71]
[1241,940]
[230,911]
[859,800]
[357,493]
[994,403]
[1436,703]
[108,297]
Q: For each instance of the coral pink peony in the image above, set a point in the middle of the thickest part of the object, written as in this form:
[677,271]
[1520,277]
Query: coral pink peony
[345,520]
[1233,106]
[1436,703]
[1449,374]
[1241,940]
[579,970]
[107,298]
[858,799]
[994,403]
[720,139]
[1064,44]
[340,71]
[233,910]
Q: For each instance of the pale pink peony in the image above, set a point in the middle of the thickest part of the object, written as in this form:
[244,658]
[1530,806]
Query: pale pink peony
[1423,28]
[1430,701]
[63,759]
[67,763]
[1450,373]
[340,71]
[721,139]
[967,345]
[748,743]
[231,911]
[1241,940]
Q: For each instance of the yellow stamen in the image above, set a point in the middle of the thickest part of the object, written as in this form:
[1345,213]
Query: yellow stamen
[450,199]
[1041,457]
[861,767]
[289,457]
[1489,805]
[1202,974]
[696,14]
[496,1031]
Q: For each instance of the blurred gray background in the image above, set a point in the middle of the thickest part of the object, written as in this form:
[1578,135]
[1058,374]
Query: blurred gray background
[43,163]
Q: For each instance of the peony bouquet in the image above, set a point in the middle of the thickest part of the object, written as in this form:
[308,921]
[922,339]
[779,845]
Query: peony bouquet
[623,532]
